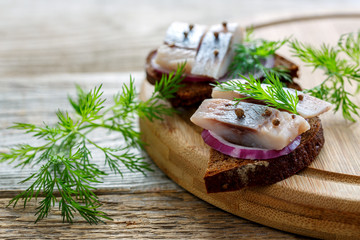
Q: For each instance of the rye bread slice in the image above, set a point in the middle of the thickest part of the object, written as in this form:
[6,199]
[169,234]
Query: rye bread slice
[225,173]
[193,93]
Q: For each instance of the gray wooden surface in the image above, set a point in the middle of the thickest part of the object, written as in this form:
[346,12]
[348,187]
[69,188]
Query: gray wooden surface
[49,36]
[48,46]
[149,206]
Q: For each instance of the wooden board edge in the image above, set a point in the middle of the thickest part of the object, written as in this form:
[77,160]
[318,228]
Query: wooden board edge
[310,17]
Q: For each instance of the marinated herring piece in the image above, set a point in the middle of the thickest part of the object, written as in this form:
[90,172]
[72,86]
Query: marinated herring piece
[215,53]
[171,57]
[258,126]
[307,107]
[214,57]
[185,35]
[234,28]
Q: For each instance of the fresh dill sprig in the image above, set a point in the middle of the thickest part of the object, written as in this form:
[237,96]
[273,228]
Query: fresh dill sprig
[341,66]
[251,55]
[67,174]
[273,94]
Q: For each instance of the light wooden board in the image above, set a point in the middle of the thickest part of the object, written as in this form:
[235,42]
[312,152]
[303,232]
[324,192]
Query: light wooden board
[321,201]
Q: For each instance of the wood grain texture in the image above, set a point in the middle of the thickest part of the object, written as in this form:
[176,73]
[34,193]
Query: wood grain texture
[143,207]
[171,214]
[42,41]
[322,201]
[49,36]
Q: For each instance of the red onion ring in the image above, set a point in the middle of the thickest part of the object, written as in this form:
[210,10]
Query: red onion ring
[238,151]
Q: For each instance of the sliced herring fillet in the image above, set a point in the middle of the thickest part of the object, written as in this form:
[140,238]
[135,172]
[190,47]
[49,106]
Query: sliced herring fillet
[171,57]
[207,63]
[234,28]
[307,107]
[261,126]
[216,52]
[191,39]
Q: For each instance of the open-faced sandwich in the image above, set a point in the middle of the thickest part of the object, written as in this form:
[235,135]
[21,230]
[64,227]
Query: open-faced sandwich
[253,143]
[208,52]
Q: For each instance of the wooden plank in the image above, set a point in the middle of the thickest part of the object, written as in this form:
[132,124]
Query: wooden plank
[165,214]
[92,36]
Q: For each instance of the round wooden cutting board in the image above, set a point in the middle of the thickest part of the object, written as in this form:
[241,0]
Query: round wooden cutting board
[321,201]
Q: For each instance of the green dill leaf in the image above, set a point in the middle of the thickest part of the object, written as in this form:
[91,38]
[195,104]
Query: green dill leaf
[169,85]
[67,173]
[273,94]
[339,71]
[249,34]
[349,43]
[357,89]
[250,56]
[88,104]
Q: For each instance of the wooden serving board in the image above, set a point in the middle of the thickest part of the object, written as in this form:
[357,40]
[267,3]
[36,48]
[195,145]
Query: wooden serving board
[321,201]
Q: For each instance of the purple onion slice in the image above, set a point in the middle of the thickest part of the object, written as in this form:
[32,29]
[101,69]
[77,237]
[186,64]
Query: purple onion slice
[238,151]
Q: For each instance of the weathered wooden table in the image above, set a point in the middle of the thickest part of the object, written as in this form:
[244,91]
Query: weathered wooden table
[48,47]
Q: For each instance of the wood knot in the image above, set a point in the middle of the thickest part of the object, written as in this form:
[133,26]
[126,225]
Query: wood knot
[276,122]
[216,52]
[129,223]
[301,97]
[216,35]
[239,112]
[293,116]
[191,26]
[224,24]
[186,34]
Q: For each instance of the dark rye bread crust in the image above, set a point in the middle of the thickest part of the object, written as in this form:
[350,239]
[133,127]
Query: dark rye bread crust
[225,173]
[193,93]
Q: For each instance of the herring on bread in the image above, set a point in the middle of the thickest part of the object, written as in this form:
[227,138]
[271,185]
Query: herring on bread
[225,173]
[253,144]
[207,52]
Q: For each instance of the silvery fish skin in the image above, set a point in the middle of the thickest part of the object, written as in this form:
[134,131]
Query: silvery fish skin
[171,57]
[307,107]
[190,40]
[234,28]
[216,52]
[257,128]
